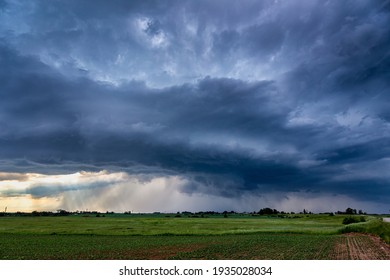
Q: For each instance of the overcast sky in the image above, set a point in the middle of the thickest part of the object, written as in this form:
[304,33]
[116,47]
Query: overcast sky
[195,105]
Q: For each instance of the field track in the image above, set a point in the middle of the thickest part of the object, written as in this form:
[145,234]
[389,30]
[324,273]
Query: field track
[357,246]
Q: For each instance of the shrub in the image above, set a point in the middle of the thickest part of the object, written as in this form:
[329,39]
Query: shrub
[351,220]
[373,226]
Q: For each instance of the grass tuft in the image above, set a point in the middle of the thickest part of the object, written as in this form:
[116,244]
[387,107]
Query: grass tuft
[374,226]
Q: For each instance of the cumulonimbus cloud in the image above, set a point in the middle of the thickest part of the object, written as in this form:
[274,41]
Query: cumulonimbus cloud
[241,99]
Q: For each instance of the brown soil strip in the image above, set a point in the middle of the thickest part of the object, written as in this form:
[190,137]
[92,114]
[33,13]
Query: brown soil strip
[341,249]
[357,246]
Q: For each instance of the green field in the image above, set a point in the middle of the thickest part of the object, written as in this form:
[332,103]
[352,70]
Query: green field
[168,237]
[169,225]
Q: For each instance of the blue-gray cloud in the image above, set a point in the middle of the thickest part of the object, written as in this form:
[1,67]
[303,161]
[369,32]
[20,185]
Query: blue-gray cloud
[254,98]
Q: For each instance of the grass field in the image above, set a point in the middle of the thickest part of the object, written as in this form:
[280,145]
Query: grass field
[162,225]
[162,237]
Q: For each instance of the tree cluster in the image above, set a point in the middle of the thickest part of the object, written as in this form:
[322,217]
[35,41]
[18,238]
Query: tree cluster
[268,211]
[350,211]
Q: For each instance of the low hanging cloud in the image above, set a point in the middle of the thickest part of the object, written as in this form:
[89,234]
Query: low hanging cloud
[235,100]
[40,185]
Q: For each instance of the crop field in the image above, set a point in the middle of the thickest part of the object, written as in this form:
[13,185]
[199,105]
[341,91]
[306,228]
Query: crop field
[166,237]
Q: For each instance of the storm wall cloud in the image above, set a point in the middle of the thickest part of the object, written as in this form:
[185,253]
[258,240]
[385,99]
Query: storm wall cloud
[244,105]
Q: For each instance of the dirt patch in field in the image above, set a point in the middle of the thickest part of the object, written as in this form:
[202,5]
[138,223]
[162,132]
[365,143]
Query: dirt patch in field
[358,246]
[340,251]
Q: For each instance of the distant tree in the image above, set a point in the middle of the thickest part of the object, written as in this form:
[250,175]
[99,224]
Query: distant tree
[268,211]
[62,212]
[350,211]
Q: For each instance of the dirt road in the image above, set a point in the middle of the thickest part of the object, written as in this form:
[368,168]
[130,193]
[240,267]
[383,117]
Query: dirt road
[357,246]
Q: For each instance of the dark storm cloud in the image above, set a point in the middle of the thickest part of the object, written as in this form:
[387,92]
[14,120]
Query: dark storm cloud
[288,96]
[348,53]
[263,39]
[370,150]
[257,40]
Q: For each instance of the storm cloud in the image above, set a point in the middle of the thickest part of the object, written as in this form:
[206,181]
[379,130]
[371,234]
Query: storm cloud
[262,99]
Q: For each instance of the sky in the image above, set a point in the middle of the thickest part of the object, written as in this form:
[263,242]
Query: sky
[182,105]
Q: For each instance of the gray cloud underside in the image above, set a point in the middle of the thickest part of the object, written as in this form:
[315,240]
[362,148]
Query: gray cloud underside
[317,122]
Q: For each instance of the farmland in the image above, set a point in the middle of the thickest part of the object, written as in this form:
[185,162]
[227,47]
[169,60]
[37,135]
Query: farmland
[170,237]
